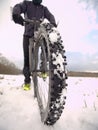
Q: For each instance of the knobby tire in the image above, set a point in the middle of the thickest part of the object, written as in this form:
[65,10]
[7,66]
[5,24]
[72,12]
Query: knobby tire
[57,75]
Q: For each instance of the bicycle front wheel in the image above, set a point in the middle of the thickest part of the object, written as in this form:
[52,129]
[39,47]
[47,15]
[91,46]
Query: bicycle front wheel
[51,77]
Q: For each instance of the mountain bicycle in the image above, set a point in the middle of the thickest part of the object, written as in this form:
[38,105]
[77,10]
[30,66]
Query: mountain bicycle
[48,70]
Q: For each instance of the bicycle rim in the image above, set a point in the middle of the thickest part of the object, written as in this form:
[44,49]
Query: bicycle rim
[43,78]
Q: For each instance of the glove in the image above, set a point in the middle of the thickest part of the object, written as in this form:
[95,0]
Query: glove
[18,19]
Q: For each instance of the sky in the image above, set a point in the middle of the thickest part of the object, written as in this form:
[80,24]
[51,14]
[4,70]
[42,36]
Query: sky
[78,26]
[19,109]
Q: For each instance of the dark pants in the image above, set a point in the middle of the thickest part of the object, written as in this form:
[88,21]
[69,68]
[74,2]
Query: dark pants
[26,70]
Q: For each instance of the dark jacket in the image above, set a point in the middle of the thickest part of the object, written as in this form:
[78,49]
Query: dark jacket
[31,11]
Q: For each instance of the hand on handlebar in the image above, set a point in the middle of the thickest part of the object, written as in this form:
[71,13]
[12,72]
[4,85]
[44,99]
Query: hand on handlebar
[54,24]
[18,19]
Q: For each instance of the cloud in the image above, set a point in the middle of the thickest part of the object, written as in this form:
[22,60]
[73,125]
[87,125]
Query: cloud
[90,4]
[82,62]
[13,2]
[75,25]
[2,2]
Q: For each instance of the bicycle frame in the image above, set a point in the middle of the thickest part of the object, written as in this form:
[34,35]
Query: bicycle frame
[34,41]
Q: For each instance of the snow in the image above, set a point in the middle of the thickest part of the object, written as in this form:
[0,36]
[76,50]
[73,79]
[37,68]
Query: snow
[19,109]
[53,37]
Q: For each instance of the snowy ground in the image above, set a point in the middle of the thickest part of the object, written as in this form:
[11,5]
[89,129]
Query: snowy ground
[19,110]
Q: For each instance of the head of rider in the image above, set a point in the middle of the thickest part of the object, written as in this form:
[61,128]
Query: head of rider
[37,2]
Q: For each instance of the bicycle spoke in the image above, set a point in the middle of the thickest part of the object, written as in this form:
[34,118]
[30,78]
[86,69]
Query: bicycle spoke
[43,87]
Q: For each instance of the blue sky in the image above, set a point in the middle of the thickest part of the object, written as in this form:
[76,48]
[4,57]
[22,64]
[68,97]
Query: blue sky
[78,26]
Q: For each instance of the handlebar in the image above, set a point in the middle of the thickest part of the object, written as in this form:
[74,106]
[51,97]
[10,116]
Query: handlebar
[33,21]
[37,23]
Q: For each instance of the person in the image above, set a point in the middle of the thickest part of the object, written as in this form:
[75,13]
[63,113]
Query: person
[30,9]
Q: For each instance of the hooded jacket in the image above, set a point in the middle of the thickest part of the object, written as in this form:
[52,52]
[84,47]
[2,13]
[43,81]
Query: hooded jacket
[31,11]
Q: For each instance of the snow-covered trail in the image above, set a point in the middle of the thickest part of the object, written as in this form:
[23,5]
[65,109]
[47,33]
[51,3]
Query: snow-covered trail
[19,110]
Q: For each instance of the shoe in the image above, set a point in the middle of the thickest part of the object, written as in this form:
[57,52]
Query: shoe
[43,75]
[26,87]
